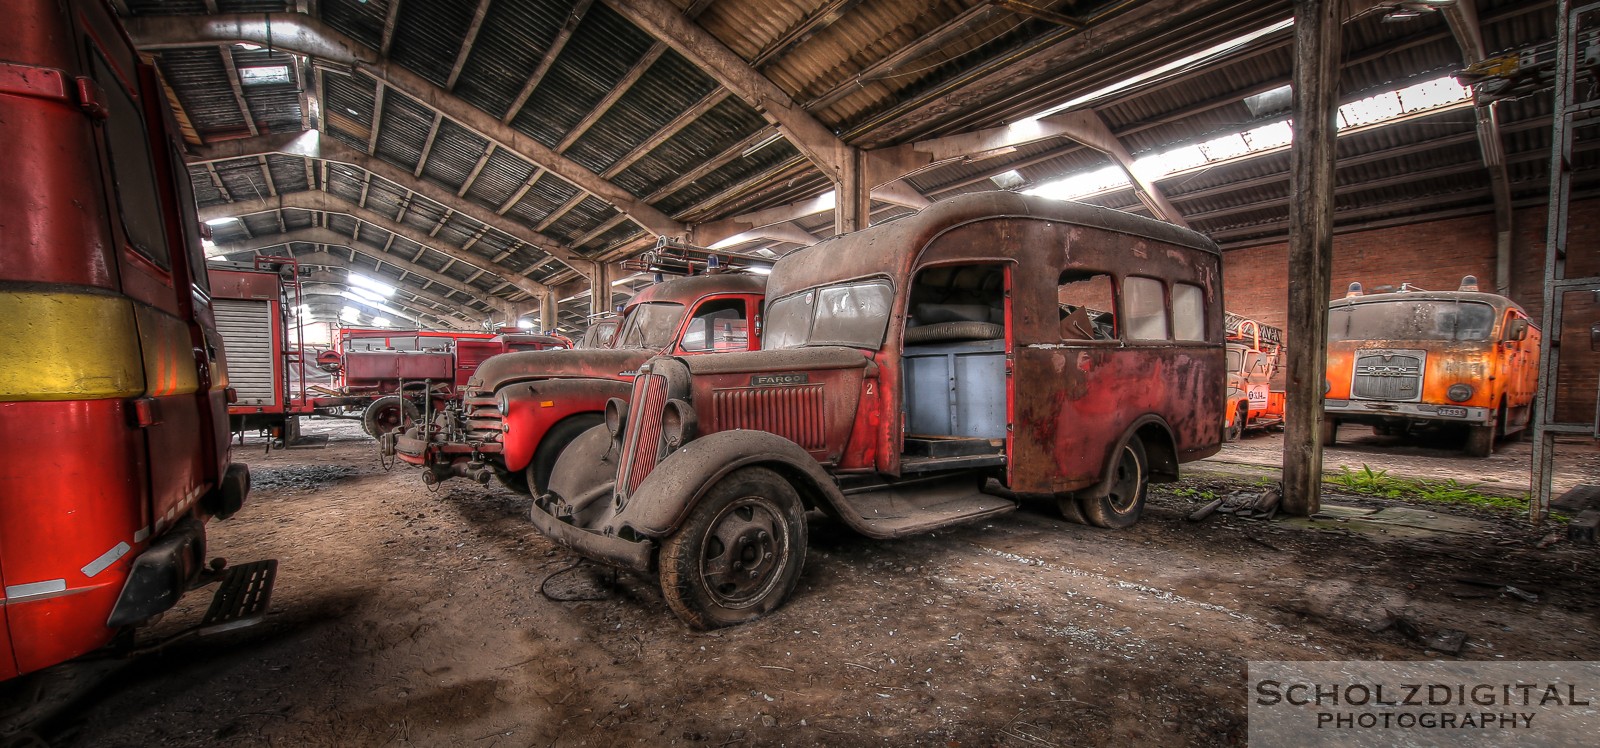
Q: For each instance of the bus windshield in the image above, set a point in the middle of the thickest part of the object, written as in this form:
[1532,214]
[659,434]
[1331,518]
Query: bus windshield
[1420,319]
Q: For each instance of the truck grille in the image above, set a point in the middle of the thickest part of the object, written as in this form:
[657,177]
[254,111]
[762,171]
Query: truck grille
[483,419]
[1388,376]
[644,433]
[794,413]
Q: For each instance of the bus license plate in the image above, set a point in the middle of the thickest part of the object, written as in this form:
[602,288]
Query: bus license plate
[1446,410]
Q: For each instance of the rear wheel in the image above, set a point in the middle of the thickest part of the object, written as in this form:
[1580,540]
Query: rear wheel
[739,553]
[1130,481]
[537,475]
[387,414]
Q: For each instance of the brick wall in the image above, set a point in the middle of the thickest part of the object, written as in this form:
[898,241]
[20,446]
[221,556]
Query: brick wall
[1435,255]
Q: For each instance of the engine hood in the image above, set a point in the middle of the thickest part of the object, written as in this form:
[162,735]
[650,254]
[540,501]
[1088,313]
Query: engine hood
[507,368]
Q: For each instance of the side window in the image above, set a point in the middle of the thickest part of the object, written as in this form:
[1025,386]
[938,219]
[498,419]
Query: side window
[1188,312]
[1145,307]
[718,325]
[132,171]
[1087,306]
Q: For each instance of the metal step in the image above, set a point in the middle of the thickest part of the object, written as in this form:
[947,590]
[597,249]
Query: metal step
[242,597]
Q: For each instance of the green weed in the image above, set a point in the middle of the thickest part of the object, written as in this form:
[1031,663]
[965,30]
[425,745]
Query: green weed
[1369,482]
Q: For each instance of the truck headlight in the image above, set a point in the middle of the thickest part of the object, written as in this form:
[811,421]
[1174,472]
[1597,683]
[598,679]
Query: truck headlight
[1459,393]
[616,416]
[677,423]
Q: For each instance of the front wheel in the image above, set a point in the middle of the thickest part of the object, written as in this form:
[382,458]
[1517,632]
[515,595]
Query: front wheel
[1480,440]
[1130,481]
[1330,432]
[536,476]
[1235,432]
[739,553]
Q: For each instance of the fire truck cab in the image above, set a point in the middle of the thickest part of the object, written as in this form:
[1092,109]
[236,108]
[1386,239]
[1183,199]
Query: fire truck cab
[521,410]
[113,394]
[1063,349]
[1255,377]
[1414,358]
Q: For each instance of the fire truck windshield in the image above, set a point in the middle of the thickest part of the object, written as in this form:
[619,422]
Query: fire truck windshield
[852,314]
[1420,319]
[650,325]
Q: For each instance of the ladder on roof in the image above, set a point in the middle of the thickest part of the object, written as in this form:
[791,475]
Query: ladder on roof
[1571,102]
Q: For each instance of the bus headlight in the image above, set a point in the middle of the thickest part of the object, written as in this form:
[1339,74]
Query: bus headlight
[1459,393]
[677,423]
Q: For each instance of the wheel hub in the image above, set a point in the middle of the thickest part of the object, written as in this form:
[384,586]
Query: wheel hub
[743,552]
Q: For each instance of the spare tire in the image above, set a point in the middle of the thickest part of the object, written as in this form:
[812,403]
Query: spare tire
[945,332]
[387,414]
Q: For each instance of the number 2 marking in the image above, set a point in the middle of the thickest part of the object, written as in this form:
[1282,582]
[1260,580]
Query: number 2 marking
[870,390]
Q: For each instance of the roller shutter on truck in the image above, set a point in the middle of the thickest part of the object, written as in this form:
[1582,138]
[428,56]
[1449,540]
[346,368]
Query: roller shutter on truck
[246,326]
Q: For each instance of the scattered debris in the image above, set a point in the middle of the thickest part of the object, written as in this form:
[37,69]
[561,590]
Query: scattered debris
[1585,527]
[1449,641]
[1527,597]
[1243,503]
[1549,540]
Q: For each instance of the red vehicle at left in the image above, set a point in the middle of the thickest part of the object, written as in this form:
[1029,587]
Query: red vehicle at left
[113,404]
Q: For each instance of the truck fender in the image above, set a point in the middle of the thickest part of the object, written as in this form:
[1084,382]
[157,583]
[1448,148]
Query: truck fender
[1160,451]
[661,502]
[527,419]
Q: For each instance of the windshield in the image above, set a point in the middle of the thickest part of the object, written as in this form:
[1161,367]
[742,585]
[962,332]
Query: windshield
[599,334]
[1235,359]
[1422,319]
[852,314]
[650,325]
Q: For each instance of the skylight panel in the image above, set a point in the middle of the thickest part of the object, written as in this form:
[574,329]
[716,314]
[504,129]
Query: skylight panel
[264,76]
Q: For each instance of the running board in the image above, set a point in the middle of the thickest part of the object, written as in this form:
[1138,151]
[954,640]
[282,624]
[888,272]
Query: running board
[962,462]
[242,598]
[894,511]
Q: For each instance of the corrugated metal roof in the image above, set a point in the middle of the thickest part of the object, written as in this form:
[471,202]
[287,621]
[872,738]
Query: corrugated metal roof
[599,54]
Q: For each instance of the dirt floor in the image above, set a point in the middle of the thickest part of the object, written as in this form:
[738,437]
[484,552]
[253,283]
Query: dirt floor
[404,617]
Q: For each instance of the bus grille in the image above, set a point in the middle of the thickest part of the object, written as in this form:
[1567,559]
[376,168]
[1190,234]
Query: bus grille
[794,413]
[1388,376]
[644,434]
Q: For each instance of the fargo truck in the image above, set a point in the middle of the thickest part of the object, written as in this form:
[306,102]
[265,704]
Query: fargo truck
[521,410]
[1413,358]
[1062,349]
[113,396]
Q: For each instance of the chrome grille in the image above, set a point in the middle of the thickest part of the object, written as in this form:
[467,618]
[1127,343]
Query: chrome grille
[794,412]
[1388,376]
[644,429]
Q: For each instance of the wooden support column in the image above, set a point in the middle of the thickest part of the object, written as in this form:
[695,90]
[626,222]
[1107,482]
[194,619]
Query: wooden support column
[599,288]
[1311,171]
[852,210]
[548,319]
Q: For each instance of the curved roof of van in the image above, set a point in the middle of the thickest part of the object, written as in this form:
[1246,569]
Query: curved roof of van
[894,246]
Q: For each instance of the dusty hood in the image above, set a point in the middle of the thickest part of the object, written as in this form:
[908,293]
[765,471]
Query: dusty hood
[582,363]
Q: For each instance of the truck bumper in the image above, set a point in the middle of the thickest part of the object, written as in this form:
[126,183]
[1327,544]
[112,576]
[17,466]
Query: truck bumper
[633,555]
[160,575]
[1369,411]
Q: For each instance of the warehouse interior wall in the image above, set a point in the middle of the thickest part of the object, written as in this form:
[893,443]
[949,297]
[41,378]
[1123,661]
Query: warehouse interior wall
[1434,255]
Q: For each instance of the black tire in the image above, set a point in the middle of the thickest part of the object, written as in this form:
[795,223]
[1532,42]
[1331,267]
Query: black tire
[1330,432]
[1130,482]
[386,414]
[1236,431]
[517,482]
[537,474]
[739,553]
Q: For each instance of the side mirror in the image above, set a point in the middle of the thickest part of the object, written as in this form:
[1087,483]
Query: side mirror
[1594,337]
[1517,330]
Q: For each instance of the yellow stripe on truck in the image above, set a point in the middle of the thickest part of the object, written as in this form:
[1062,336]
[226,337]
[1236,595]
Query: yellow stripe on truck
[66,345]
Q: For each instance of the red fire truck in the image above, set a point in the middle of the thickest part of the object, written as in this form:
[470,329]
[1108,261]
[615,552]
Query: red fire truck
[113,409]
[278,379]
[522,410]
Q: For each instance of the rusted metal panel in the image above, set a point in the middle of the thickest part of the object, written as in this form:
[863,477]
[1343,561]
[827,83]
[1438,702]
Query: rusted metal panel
[794,412]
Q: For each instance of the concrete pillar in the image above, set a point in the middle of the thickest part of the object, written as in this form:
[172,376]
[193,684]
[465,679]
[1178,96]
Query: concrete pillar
[600,288]
[1311,175]
[852,195]
[547,312]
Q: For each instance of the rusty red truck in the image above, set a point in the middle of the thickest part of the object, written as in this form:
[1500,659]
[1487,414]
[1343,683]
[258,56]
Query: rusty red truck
[113,392]
[1065,350]
[521,410]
